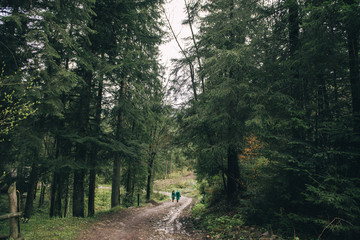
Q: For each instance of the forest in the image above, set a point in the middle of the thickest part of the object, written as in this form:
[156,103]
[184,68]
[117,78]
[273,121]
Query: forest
[267,111]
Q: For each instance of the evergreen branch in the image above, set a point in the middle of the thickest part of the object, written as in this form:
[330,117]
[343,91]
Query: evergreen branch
[336,218]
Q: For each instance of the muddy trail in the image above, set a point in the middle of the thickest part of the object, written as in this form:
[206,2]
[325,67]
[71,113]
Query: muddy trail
[157,221]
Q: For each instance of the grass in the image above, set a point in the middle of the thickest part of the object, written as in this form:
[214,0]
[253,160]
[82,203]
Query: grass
[4,206]
[102,199]
[184,181]
[41,226]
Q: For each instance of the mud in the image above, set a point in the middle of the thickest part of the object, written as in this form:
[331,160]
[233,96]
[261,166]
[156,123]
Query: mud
[165,221]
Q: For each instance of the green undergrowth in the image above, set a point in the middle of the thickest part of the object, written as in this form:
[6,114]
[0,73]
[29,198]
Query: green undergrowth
[217,223]
[223,220]
[158,197]
[184,181]
[41,226]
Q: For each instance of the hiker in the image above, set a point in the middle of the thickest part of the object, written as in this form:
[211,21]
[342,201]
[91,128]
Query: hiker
[178,195]
[173,195]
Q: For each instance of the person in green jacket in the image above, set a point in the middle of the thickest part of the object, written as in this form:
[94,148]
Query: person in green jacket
[172,195]
[177,195]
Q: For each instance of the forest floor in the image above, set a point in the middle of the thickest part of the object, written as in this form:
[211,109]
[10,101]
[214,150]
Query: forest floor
[156,221]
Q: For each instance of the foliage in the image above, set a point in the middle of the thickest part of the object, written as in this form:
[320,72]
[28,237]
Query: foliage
[216,223]
[279,90]
[14,106]
[79,54]
[184,181]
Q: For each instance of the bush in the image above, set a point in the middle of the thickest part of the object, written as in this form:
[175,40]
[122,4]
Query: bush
[216,222]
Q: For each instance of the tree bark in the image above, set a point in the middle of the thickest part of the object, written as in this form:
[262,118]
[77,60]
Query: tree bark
[91,202]
[353,48]
[195,46]
[78,194]
[31,191]
[14,230]
[53,194]
[58,196]
[94,152]
[150,176]
[128,184]
[115,191]
[294,26]
[293,35]
[67,195]
[233,172]
[42,194]
[82,148]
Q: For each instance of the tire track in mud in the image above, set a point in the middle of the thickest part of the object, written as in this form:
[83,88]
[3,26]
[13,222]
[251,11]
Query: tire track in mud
[172,226]
[163,221]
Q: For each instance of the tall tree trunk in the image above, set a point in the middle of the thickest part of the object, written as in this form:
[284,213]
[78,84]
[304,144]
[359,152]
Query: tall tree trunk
[78,194]
[224,180]
[193,81]
[294,26]
[353,48]
[42,194]
[58,196]
[297,86]
[79,180]
[54,186]
[233,172]
[294,31]
[94,152]
[67,195]
[150,175]
[91,201]
[14,230]
[115,190]
[353,31]
[55,179]
[128,184]
[82,148]
[166,168]
[31,191]
[197,52]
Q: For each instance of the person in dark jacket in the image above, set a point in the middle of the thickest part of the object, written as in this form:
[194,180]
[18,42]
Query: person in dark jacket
[173,195]
[177,195]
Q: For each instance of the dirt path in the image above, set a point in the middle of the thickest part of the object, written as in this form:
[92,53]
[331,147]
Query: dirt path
[163,221]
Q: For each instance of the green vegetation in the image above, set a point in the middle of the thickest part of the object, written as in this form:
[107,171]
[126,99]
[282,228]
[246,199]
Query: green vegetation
[41,226]
[273,121]
[218,225]
[269,123]
[184,181]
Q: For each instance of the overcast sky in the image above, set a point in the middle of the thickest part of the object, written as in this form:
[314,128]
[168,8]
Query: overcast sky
[176,13]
